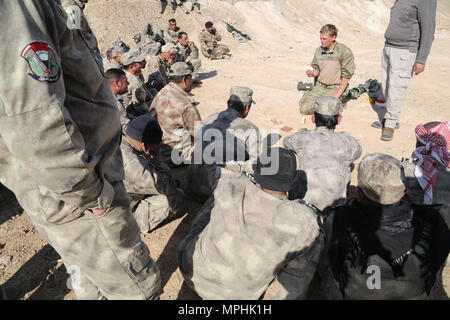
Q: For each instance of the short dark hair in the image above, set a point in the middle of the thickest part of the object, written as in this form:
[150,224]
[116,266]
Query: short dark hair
[326,121]
[114,75]
[208,24]
[178,79]
[180,34]
[236,105]
[330,29]
[172,20]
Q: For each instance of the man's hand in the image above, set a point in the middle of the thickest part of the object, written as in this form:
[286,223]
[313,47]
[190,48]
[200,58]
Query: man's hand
[418,68]
[191,45]
[310,73]
[99,212]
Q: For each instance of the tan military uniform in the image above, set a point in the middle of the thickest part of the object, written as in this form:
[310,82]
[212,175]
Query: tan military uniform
[84,28]
[189,55]
[124,120]
[172,35]
[157,70]
[152,187]
[138,98]
[149,44]
[177,114]
[68,162]
[239,143]
[326,158]
[209,41]
[332,65]
[243,238]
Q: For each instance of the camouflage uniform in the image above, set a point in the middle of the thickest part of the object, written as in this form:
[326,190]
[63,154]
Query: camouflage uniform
[243,238]
[209,41]
[124,120]
[138,98]
[149,44]
[332,65]
[68,161]
[189,55]
[177,113]
[239,134]
[151,185]
[326,157]
[157,70]
[172,35]
[84,28]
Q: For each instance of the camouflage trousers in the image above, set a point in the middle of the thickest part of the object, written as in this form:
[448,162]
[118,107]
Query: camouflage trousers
[196,63]
[218,52]
[308,99]
[104,254]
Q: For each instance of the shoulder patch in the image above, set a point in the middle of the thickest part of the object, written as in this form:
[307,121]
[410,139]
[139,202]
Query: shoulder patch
[41,59]
[156,65]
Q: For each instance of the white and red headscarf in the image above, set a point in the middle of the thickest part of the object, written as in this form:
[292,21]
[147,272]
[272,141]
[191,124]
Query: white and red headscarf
[436,146]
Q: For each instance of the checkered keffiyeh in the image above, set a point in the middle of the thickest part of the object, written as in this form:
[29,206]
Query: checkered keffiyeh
[436,147]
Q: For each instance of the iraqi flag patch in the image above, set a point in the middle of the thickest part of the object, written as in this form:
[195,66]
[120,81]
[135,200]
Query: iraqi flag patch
[41,59]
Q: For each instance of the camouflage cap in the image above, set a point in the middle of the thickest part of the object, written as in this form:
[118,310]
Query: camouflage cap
[118,48]
[169,47]
[328,106]
[242,94]
[132,55]
[381,178]
[180,69]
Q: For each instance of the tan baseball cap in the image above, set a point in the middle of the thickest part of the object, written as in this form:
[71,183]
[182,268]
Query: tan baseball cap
[243,94]
[328,106]
[381,178]
[132,55]
[180,69]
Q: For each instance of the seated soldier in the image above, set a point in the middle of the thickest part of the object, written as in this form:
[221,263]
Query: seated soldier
[148,179]
[236,148]
[326,157]
[171,33]
[248,233]
[381,246]
[177,114]
[139,97]
[118,83]
[150,40]
[187,51]
[208,43]
[113,54]
[159,67]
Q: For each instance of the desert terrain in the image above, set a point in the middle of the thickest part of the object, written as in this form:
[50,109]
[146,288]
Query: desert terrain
[284,36]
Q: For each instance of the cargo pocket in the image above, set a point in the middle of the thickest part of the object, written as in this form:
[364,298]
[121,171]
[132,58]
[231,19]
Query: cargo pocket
[406,66]
[145,272]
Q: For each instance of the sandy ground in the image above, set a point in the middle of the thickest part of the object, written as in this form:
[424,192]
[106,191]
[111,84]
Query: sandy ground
[284,35]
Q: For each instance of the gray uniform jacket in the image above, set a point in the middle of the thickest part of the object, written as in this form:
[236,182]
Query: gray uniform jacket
[326,157]
[242,239]
[59,124]
[411,26]
[186,52]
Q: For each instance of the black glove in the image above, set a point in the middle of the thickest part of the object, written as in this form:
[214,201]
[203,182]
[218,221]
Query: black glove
[209,51]
[213,31]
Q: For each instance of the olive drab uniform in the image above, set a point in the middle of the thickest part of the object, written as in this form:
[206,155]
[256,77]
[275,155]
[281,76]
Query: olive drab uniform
[60,154]
[209,41]
[332,65]
[177,114]
[74,10]
[244,237]
[152,187]
[240,146]
[138,98]
[157,72]
[326,157]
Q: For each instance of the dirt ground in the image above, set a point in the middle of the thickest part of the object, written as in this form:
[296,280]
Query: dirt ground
[284,36]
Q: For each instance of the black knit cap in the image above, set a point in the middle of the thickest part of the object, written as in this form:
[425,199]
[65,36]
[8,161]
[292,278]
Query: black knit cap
[284,161]
[145,129]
